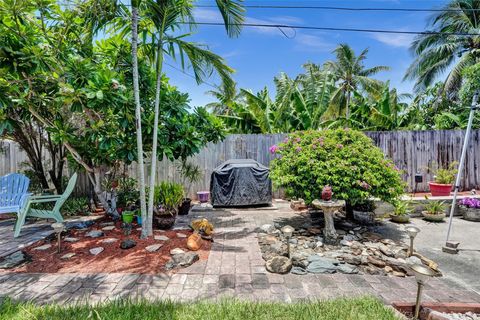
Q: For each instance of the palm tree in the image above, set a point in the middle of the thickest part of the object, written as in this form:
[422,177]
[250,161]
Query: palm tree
[440,51]
[351,76]
[166,16]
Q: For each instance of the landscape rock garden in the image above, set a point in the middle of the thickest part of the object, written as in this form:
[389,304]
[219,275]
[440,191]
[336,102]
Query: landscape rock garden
[358,251]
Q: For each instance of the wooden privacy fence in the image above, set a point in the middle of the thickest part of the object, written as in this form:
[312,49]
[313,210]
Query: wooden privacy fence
[412,152]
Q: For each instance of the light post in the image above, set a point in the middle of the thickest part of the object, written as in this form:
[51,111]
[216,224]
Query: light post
[288,232]
[58,227]
[422,274]
[412,233]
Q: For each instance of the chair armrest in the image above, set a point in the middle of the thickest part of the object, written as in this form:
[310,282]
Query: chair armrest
[40,199]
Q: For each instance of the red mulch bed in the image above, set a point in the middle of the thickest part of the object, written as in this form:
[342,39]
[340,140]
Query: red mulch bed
[113,258]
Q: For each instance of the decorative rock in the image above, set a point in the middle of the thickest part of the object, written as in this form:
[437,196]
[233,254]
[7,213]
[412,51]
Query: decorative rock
[347,269]
[279,248]
[386,251]
[161,238]
[181,235]
[388,269]
[96,250]
[176,251]
[170,265]
[108,228]
[298,270]
[398,274]
[318,244]
[346,243]
[414,260]
[348,258]
[104,224]
[95,234]
[268,228]
[279,265]
[321,265]
[153,247]
[127,244]
[70,239]
[109,240]
[13,260]
[376,262]
[68,256]
[44,247]
[185,259]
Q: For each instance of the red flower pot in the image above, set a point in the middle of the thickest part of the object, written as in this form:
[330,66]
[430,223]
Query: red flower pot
[439,189]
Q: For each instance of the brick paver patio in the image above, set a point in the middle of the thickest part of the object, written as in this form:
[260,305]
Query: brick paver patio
[234,268]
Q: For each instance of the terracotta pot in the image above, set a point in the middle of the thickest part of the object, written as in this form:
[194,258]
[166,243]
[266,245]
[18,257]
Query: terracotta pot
[403,218]
[439,189]
[194,242]
[433,217]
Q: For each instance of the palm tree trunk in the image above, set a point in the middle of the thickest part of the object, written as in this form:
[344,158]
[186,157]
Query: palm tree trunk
[347,107]
[153,169]
[138,118]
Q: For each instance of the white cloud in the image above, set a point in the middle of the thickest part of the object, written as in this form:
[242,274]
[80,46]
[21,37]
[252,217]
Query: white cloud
[394,40]
[307,42]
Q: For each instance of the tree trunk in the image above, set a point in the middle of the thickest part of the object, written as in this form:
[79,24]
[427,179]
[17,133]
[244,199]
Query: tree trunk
[153,169]
[95,179]
[138,119]
[347,107]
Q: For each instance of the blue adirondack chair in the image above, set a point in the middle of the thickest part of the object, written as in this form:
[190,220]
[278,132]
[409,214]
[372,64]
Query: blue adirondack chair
[13,193]
[54,213]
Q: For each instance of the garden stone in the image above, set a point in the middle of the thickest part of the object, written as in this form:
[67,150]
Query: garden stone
[96,250]
[161,238]
[170,265]
[68,256]
[279,248]
[388,269]
[95,234]
[127,244]
[70,239]
[105,224]
[109,240]
[321,265]
[376,262]
[348,258]
[298,270]
[347,269]
[398,274]
[13,260]
[185,259]
[181,235]
[153,247]
[268,239]
[108,228]
[346,243]
[268,228]
[385,250]
[293,241]
[269,255]
[279,264]
[176,251]
[80,225]
[414,260]
[44,247]
[318,244]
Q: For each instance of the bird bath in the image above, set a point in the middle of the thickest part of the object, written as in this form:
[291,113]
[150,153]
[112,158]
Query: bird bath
[329,209]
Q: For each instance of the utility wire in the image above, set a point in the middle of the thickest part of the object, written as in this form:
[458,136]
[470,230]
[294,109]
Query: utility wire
[344,8]
[190,75]
[334,29]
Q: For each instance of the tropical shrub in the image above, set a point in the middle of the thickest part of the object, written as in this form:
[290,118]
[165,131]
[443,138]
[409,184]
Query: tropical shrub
[345,159]
[169,195]
[446,175]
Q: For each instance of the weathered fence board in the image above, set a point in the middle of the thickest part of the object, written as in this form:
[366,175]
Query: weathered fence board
[412,152]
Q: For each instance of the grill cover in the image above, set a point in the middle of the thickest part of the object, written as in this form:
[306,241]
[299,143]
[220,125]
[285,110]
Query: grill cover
[240,182]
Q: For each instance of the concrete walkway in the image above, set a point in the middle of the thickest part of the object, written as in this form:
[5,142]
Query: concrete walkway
[234,268]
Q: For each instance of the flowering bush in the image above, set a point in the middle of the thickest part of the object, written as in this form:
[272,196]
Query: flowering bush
[470,203]
[345,159]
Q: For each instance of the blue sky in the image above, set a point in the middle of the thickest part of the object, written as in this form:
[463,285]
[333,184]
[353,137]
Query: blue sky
[259,54]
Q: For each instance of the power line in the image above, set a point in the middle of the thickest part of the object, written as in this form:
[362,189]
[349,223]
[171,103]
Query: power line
[335,29]
[190,75]
[345,8]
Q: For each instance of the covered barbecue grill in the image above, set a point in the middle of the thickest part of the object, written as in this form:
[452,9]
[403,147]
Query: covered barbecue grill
[240,182]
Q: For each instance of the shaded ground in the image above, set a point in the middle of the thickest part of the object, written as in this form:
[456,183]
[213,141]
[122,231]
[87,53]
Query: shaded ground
[112,259]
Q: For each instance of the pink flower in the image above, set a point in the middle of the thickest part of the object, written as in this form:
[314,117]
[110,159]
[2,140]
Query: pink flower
[340,146]
[298,149]
[364,185]
[285,140]
[298,139]
[273,149]
[314,146]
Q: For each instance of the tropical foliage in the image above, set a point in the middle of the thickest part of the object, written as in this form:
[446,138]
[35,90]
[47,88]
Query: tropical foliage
[309,160]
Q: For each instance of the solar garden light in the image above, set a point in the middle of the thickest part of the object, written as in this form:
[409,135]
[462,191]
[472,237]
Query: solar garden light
[412,233]
[288,232]
[422,274]
[58,227]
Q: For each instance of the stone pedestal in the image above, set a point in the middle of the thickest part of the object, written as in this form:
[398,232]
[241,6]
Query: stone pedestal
[329,208]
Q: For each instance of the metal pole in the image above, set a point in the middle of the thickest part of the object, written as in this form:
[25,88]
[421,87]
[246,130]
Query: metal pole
[466,141]
[410,252]
[417,303]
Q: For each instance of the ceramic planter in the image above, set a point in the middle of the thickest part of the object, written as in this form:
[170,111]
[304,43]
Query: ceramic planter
[470,214]
[364,217]
[127,216]
[433,217]
[402,218]
[203,196]
[440,189]
[184,207]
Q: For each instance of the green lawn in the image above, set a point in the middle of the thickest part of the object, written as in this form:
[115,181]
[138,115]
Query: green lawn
[341,309]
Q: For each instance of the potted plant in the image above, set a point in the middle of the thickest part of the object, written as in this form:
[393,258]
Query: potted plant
[443,180]
[191,173]
[167,198]
[127,216]
[401,211]
[470,209]
[363,211]
[434,211]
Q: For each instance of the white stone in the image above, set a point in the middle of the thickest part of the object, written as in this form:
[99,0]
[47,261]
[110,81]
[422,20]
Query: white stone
[161,238]
[44,247]
[68,256]
[176,251]
[70,239]
[346,243]
[153,247]
[181,235]
[96,250]
[109,240]
[108,228]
